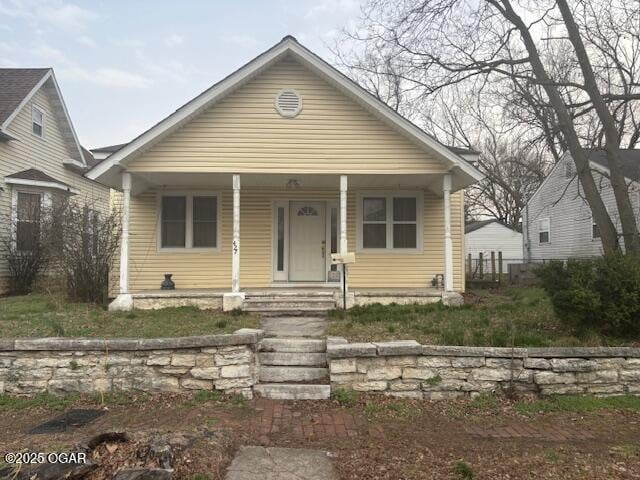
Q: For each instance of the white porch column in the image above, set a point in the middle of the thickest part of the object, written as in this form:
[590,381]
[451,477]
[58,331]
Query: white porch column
[448,243]
[124,300]
[235,299]
[235,254]
[343,214]
[124,245]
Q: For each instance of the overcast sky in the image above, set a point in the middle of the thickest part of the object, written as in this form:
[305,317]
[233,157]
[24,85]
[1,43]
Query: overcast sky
[124,65]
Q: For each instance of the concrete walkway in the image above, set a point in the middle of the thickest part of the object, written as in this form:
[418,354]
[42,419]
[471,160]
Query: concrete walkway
[260,463]
[294,326]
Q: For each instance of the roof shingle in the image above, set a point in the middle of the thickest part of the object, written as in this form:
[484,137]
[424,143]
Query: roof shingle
[15,85]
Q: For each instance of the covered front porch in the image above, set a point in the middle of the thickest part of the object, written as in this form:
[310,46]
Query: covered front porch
[239,241]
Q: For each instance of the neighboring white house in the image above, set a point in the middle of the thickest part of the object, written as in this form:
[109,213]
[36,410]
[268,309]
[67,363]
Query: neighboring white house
[557,222]
[488,236]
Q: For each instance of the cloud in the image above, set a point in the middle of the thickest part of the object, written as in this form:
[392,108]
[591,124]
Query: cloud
[332,7]
[86,41]
[56,14]
[7,47]
[244,41]
[174,40]
[104,76]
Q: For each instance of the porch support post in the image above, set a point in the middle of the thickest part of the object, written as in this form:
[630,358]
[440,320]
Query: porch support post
[124,301]
[235,262]
[347,299]
[448,243]
[235,299]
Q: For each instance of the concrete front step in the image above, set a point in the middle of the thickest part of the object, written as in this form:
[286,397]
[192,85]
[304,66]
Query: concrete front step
[301,359]
[292,391]
[289,305]
[292,312]
[294,345]
[292,374]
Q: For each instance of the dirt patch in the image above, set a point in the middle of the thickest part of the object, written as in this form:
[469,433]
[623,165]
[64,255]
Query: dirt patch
[389,439]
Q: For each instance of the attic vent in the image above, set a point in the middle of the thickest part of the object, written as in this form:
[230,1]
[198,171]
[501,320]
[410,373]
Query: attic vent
[288,103]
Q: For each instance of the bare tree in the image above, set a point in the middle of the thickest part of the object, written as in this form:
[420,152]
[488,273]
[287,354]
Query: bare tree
[574,79]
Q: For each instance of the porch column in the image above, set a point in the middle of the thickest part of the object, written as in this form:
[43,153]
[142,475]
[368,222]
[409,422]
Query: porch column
[124,300]
[343,214]
[124,242]
[448,243]
[235,254]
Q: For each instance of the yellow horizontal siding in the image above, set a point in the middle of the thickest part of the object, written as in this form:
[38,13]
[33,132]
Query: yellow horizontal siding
[213,269]
[244,133]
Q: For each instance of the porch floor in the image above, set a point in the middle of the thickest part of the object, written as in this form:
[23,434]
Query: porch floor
[302,291]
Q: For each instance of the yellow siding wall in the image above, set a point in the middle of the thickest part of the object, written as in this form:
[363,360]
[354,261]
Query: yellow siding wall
[244,133]
[213,269]
[45,154]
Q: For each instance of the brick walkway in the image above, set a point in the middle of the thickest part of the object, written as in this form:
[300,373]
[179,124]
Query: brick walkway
[278,417]
[519,430]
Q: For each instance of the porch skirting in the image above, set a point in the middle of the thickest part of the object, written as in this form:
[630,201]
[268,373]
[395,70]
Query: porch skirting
[215,299]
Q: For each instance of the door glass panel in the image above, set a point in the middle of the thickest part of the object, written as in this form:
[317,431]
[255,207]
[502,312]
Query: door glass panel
[334,234]
[280,245]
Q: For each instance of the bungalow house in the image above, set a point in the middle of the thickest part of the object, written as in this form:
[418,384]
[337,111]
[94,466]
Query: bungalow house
[40,156]
[243,194]
[557,221]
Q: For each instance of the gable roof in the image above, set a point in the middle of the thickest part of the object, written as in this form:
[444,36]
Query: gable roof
[287,46]
[630,161]
[473,226]
[35,177]
[630,165]
[18,86]
[15,85]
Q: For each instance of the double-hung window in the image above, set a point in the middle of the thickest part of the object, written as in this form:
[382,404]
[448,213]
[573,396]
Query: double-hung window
[37,121]
[544,231]
[189,221]
[28,211]
[390,222]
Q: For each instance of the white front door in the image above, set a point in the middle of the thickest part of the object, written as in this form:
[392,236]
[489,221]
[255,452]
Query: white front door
[307,242]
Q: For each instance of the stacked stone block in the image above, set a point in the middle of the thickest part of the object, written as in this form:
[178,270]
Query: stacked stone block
[59,365]
[408,369]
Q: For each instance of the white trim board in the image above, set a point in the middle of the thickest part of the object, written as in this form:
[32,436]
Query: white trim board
[288,46]
[42,184]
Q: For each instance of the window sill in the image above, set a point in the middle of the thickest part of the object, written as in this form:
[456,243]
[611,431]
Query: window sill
[188,250]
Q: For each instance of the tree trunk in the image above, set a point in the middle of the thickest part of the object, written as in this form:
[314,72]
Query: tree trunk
[612,138]
[607,229]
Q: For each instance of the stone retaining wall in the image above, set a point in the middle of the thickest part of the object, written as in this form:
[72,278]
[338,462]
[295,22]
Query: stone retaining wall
[408,369]
[63,365]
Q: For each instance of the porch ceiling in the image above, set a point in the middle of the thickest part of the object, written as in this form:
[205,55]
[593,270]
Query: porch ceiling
[291,182]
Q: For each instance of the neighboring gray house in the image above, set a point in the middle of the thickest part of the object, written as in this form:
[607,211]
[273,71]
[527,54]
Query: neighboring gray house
[488,236]
[557,222]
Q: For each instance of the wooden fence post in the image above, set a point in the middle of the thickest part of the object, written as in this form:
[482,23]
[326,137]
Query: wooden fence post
[480,266]
[500,267]
[469,266]
[493,266]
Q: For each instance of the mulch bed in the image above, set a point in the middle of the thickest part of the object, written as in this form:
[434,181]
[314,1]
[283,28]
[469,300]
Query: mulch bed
[389,439]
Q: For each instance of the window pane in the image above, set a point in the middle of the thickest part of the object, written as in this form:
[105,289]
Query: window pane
[29,207]
[374,209]
[204,221]
[404,209]
[174,211]
[595,231]
[374,235]
[544,237]
[37,129]
[404,235]
[27,235]
[280,252]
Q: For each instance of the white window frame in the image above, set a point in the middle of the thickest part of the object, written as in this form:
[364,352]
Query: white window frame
[45,203]
[389,195]
[188,239]
[42,111]
[540,230]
